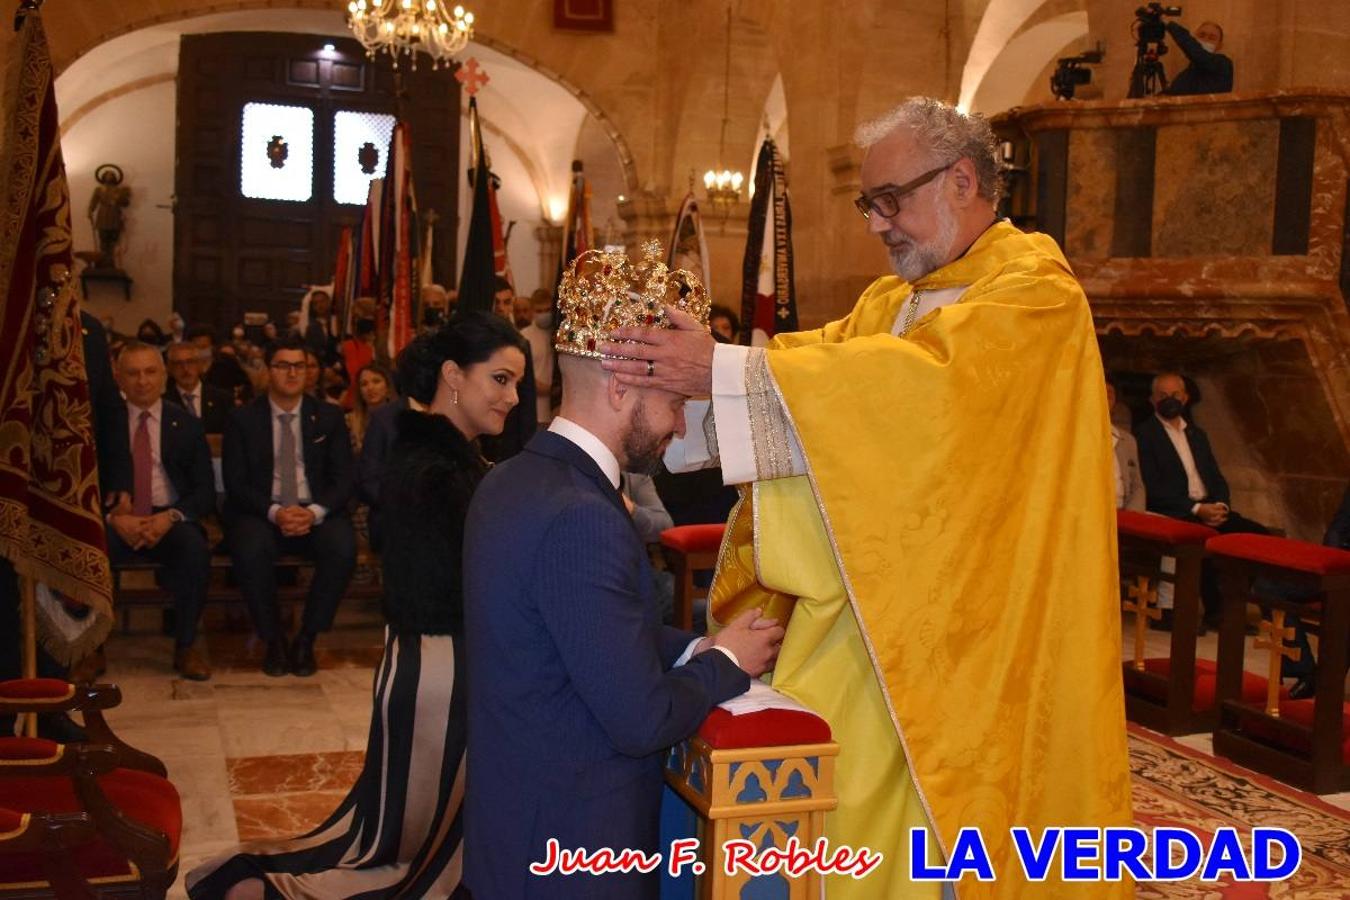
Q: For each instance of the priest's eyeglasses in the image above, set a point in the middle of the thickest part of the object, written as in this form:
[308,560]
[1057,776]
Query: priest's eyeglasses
[886,203]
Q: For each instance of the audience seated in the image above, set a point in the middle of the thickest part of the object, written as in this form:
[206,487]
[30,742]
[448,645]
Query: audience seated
[205,402]
[220,370]
[1182,478]
[288,479]
[173,488]
[1130,491]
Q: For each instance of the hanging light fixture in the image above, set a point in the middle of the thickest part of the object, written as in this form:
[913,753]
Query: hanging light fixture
[410,26]
[722,185]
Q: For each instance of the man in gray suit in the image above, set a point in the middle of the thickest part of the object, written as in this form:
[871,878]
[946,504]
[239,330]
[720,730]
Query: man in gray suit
[1129,483]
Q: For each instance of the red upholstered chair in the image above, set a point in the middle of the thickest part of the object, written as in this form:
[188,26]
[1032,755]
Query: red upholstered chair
[97,819]
[688,549]
[1301,743]
[1161,693]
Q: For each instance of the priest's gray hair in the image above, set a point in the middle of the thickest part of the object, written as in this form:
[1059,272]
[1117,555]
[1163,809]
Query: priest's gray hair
[949,135]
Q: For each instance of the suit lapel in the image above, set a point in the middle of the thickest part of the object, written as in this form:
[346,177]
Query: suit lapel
[309,426]
[550,444]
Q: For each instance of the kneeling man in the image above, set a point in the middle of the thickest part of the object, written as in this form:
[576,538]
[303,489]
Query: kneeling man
[574,686]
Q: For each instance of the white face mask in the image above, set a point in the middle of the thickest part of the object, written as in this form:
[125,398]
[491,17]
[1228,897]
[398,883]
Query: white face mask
[1209,46]
[544,320]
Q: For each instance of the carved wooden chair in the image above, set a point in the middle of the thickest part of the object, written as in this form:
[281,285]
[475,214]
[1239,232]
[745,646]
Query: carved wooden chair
[95,819]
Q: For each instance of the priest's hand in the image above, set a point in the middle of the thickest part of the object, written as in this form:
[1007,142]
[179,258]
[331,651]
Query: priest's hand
[754,640]
[675,359]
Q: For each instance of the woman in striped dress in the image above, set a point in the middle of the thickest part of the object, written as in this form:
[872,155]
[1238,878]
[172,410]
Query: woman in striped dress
[399,832]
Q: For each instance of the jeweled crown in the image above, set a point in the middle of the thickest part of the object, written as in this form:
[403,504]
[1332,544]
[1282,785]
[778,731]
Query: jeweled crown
[602,290]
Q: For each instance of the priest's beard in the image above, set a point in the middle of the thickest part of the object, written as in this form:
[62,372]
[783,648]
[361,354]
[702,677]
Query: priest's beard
[643,448]
[912,260]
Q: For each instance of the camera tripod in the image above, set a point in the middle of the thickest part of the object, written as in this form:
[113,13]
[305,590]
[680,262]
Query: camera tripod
[1148,77]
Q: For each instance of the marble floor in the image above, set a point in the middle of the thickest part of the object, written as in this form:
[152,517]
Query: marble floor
[257,757]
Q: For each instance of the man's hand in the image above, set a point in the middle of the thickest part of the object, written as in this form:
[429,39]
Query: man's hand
[1212,514]
[680,357]
[299,521]
[131,529]
[294,521]
[117,503]
[755,641]
[156,527]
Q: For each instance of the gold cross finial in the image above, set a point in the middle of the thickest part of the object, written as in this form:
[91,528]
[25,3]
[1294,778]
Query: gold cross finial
[1273,637]
[1144,608]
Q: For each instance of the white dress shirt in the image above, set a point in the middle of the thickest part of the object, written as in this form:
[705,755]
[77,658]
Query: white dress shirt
[162,493]
[604,457]
[1115,464]
[301,482]
[1195,485]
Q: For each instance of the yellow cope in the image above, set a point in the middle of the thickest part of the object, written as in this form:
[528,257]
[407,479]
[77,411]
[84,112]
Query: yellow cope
[949,566]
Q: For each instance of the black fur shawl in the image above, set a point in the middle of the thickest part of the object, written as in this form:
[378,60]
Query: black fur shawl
[429,478]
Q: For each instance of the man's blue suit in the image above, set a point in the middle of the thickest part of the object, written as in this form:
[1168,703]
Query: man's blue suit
[572,697]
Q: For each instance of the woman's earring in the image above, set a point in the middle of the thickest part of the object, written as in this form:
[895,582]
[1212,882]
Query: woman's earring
[455,397]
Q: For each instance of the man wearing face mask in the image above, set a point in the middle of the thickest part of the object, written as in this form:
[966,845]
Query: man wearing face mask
[1209,71]
[1181,476]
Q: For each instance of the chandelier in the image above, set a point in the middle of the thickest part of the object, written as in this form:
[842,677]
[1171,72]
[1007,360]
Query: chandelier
[722,185]
[409,26]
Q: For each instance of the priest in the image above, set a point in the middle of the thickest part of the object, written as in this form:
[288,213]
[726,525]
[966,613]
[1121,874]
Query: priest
[927,498]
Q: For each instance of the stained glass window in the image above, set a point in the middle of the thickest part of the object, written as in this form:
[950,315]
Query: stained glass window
[277,152]
[360,144]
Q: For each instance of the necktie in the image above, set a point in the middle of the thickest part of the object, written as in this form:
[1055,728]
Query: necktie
[142,467]
[192,404]
[290,490]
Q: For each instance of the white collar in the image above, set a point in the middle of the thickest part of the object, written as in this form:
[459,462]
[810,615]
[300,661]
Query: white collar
[1179,427]
[590,444]
[154,409]
[277,411]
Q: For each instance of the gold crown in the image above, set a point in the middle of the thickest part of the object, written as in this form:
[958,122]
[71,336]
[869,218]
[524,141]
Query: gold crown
[602,290]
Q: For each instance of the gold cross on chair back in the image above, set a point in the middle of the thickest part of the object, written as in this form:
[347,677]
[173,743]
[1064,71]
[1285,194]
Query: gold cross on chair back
[1145,608]
[1273,637]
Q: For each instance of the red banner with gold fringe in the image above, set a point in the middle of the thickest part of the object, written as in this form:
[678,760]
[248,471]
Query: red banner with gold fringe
[51,525]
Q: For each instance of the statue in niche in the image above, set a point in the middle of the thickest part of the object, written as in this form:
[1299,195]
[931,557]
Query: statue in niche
[105,215]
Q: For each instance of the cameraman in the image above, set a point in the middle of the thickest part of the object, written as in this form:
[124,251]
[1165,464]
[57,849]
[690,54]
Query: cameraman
[1209,72]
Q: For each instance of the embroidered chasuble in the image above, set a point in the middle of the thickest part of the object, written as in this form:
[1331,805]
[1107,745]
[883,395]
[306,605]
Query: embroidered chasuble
[932,513]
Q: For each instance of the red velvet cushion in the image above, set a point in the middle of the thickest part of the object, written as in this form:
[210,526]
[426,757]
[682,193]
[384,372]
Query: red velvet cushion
[766,728]
[51,689]
[1206,675]
[1300,711]
[1152,526]
[1277,551]
[146,798]
[694,538]
[26,748]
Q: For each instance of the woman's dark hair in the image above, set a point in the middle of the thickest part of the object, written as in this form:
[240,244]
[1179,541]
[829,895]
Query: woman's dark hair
[467,339]
[149,332]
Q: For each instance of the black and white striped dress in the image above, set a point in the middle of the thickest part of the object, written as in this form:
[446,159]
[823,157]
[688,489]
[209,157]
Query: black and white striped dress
[399,833]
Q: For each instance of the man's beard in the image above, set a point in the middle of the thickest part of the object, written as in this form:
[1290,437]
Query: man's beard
[914,261]
[643,448]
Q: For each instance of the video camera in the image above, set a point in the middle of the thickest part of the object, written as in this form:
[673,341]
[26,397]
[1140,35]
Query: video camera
[1148,76]
[1069,74]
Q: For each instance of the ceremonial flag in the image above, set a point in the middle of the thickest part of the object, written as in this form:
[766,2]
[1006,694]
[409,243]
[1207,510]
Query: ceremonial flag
[688,248]
[768,298]
[343,270]
[400,215]
[51,520]
[477,280]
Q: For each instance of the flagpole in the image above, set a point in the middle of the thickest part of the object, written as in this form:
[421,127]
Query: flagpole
[28,610]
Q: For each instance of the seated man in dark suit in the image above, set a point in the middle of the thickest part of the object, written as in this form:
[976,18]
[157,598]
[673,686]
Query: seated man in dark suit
[575,688]
[206,402]
[1181,476]
[173,488]
[288,471]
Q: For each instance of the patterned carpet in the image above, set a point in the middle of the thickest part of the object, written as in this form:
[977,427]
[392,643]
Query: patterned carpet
[1176,785]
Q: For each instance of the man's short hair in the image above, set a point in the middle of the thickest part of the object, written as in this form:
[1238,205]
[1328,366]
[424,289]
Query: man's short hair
[1166,373]
[949,135]
[501,284]
[1216,25]
[184,345]
[289,342]
[134,346]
